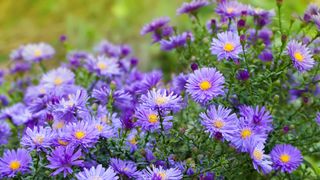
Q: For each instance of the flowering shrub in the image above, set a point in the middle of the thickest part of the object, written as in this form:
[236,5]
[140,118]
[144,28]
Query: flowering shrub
[243,103]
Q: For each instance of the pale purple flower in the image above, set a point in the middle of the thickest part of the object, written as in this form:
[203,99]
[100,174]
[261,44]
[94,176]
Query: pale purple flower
[205,84]
[62,159]
[176,41]
[97,173]
[154,173]
[15,161]
[226,46]
[126,168]
[301,56]
[58,77]
[191,7]
[103,65]
[38,138]
[37,52]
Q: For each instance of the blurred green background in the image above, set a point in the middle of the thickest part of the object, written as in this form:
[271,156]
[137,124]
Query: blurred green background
[86,22]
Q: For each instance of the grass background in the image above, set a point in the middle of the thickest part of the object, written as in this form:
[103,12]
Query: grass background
[86,22]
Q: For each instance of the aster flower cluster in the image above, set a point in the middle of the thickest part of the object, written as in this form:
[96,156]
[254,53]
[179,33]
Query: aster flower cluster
[248,106]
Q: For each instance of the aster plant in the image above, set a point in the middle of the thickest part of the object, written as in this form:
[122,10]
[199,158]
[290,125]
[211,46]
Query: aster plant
[241,102]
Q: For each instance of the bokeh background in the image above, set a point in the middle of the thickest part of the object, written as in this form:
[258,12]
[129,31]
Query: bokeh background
[86,22]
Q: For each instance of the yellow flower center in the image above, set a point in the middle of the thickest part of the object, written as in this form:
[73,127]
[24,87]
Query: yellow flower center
[205,85]
[257,154]
[38,139]
[298,56]
[228,47]
[284,158]
[218,123]
[62,142]
[245,133]
[14,165]
[80,134]
[102,66]
[133,141]
[161,100]
[153,118]
[58,81]
[230,10]
[162,175]
[37,53]
[42,91]
[99,127]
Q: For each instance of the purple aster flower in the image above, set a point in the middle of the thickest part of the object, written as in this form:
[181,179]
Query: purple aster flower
[58,77]
[97,173]
[205,84]
[101,94]
[286,157]
[60,137]
[122,99]
[76,58]
[244,134]
[154,173]
[111,119]
[4,101]
[318,118]
[226,46]
[176,41]
[191,7]
[159,28]
[266,56]
[243,75]
[219,122]
[63,158]
[229,9]
[15,161]
[106,48]
[258,117]
[261,162]
[261,17]
[104,129]
[37,52]
[20,67]
[162,100]
[312,10]
[149,120]
[71,107]
[132,140]
[126,168]
[151,80]
[300,55]
[103,65]
[179,82]
[5,132]
[38,138]
[82,133]
[18,113]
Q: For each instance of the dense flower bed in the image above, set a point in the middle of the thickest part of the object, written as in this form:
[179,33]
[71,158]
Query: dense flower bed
[243,103]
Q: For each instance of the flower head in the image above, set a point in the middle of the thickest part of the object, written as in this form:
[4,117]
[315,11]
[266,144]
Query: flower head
[103,65]
[154,173]
[229,9]
[226,46]
[155,25]
[161,99]
[286,157]
[127,168]
[301,56]
[37,52]
[205,84]
[97,173]
[149,120]
[15,161]
[176,41]
[58,77]
[82,133]
[192,6]
[38,138]
[261,161]
[63,158]
[219,122]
